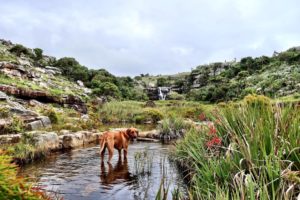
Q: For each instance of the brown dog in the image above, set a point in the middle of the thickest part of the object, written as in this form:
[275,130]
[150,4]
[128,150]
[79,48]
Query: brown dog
[118,140]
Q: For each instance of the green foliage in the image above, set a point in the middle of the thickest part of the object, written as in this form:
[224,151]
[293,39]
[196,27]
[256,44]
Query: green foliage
[175,96]
[72,69]
[251,152]
[107,89]
[4,112]
[162,81]
[149,114]
[38,53]
[12,187]
[15,125]
[53,116]
[20,49]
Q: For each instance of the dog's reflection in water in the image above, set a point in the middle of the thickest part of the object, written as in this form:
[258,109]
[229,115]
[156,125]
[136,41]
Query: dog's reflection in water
[118,173]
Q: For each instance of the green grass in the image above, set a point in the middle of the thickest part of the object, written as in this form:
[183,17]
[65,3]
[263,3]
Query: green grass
[8,57]
[257,156]
[134,111]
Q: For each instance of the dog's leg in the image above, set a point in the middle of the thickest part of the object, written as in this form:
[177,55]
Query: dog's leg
[111,153]
[102,153]
[110,147]
[125,153]
[120,152]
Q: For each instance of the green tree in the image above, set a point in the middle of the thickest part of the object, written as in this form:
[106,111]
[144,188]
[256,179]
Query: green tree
[38,53]
[19,49]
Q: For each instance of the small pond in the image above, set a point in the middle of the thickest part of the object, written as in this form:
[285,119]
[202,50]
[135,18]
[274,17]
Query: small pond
[79,174]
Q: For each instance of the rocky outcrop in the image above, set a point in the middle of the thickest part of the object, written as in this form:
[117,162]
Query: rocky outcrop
[199,76]
[79,139]
[39,123]
[75,103]
[25,93]
[158,93]
[10,138]
[43,96]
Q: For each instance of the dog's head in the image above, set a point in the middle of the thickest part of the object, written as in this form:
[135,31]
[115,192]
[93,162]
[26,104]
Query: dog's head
[133,133]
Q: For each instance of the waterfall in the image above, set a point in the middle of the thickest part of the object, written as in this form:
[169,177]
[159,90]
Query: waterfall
[162,93]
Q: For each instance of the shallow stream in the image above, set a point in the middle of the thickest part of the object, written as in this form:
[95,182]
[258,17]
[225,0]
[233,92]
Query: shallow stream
[79,174]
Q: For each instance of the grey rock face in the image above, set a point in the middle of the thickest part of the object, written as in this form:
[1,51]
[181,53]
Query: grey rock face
[46,121]
[10,139]
[46,140]
[3,96]
[35,125]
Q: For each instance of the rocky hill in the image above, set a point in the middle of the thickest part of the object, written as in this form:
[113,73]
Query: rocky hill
[275,76]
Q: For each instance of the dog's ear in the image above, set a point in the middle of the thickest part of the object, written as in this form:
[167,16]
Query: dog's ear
[128,132]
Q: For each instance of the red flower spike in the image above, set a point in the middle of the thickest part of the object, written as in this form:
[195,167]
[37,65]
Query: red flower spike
[202,117]
[215,141]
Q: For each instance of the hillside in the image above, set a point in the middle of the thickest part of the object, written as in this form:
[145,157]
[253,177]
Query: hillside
[276,77]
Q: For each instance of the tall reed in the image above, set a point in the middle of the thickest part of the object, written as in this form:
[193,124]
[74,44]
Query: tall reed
[249,151]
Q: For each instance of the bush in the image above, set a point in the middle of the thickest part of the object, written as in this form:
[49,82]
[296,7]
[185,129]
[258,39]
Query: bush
[107,89]
[38,54]
[19,49]
[149,114]
[52,116]
[13,187]
[175,96]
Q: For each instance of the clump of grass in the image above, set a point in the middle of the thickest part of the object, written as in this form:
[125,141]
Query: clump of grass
[250,152]
[15,125]
[151,115]
[173,128]
[26,150]
[143,162]
[116,111]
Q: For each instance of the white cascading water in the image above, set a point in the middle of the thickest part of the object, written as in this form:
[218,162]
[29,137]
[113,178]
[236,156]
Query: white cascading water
[161,95]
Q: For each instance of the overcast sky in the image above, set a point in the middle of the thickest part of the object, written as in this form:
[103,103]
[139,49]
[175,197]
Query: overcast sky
[130,37]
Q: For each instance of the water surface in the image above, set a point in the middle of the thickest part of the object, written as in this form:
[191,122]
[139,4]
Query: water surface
[79,174]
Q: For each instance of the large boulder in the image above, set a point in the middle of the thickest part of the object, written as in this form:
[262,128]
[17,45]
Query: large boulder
[35,125]
[45,140]
[71,141]
[39,123]
[149,134]
[79,139]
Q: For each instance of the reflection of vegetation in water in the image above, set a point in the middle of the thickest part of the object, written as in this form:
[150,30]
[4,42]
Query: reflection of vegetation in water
[143,162]
[165,183]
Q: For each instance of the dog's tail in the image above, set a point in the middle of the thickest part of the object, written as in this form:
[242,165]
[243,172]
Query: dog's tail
[102,143]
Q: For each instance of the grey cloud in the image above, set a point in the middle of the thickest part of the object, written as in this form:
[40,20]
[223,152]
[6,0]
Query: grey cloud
[157,37]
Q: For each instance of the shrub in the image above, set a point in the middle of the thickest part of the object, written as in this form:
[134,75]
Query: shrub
[175,96]
[52,116]
[149,114]
[19,49]
[4,112]
[13,187]
[107,89]
[38,53]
